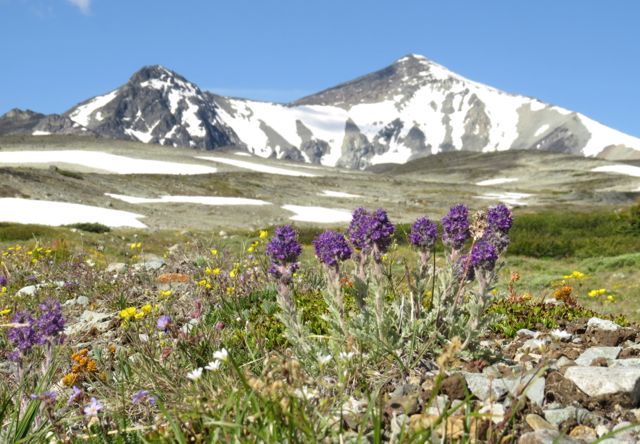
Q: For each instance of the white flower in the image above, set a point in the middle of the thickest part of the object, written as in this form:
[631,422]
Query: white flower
[346,356]
[213,366]
[195,375]
[221,355]
[323,359]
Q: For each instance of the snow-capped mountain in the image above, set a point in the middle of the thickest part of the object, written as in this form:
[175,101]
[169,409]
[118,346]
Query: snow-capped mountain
[155,106]
[412,108]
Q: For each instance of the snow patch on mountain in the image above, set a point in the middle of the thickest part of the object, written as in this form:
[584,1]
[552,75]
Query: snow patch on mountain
[82,114]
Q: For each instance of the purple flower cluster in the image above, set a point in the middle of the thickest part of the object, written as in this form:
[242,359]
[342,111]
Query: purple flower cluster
[500,220]
[331,248]
[500,217]
[483,255]
[25,335]
[51,322]
[3,281]
[31,332]
[284,247]
[423,234]
[368,230]
[456,226]
[283,250]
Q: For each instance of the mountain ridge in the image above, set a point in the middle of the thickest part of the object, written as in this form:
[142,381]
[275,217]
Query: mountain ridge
[407,110]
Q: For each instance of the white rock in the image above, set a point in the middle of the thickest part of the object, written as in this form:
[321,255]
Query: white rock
[597,352]
[602,324]
[534,345]
[89,320]
[116,267]
[596,381]
[630,362]
[493,411]
[525,332]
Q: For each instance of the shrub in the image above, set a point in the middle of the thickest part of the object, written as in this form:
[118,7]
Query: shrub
[91,227]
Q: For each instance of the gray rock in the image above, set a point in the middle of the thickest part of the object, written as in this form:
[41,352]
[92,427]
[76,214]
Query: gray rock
[597,352]
[546,437]
[150,262]
[597,381]
[602,324]
[629,362]
[116,267]
[80,300]
[29,290]
[486,387]
[534,345]
[525,332]
[88,321]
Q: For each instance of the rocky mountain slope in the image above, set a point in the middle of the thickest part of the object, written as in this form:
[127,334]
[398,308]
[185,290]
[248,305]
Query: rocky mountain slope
[410,109]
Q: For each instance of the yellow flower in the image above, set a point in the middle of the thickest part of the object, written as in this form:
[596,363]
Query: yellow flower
[611,298]
[135,246]
[139,314]
[214,252]
[165,293]
[3,290]
[6,311]
[263,234]
[232,273]
[202,283]
[146,308]
[598,292]
[213,271]
[230,290]
[251,249]
[128,313]
[575,275]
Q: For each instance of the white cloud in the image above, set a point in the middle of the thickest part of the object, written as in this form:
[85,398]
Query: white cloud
[83,5]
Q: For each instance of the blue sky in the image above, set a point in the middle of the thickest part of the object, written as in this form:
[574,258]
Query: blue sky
[580,54]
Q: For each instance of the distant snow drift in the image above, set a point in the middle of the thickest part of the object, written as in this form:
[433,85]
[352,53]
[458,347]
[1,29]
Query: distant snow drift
[627,170]
[318,214]
[253,166]
[98,160]
[202,200]
[44,212]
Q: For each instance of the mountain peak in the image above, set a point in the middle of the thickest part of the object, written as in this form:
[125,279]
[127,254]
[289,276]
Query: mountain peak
[21,114]
[412,58]
[151,72]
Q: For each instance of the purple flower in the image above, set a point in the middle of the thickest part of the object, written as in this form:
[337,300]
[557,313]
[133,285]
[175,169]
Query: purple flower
[26,335]
[456,226]
[76,394]
[93,408]
[500,218]
[164,322]
[141,396]
[3,281]
[284,247]
[423,234]
[51,322]
[483,255]
[283,250]
[369,230]
[48,397]
[499,239]
[331,248]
